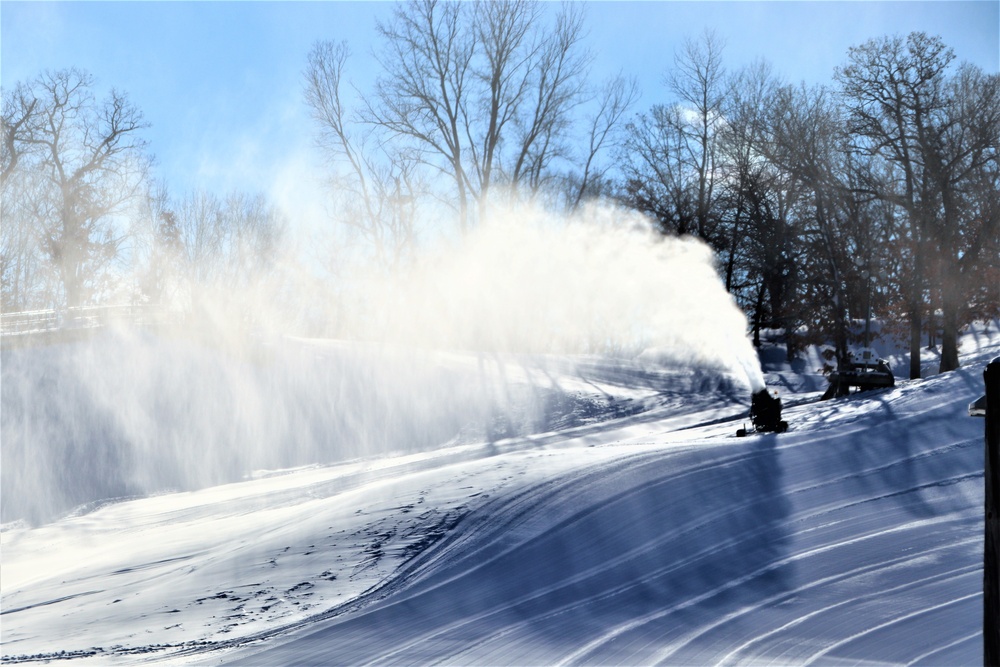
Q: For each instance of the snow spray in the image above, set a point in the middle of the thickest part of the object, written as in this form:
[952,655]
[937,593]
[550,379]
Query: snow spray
[600,281]
[470,342]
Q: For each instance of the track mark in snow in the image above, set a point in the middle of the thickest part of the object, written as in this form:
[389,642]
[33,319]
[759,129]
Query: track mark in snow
[732,656]
[48,602]
[975,636]
[898,619]
[644,619]
[151,565]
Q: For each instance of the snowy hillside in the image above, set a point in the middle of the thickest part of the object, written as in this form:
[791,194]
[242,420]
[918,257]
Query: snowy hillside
[621,523]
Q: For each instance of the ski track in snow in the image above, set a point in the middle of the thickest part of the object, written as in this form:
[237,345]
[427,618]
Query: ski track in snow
[657,538]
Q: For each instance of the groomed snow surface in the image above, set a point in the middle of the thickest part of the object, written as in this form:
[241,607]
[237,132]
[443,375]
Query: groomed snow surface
[627,525]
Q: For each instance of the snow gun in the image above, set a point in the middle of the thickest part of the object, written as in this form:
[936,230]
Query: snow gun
[765,414]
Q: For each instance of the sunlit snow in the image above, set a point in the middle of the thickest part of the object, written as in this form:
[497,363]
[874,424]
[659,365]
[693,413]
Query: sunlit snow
[647,536]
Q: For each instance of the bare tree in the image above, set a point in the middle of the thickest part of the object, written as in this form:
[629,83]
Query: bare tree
[18,244]
[481,93]
[231,243]
[936,132]
[556,85]
[424,95]
[19,120]
[805,140]
[698,79]
[964,164]
[92,162]
[795,188]
[654,164]
[502,69]
[613,101]
[27,279]
[201,236]
[377,186]
[671,158]
[254,233]
[153,251]
[746,173]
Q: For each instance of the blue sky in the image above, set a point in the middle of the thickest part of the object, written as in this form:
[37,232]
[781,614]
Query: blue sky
[221,82]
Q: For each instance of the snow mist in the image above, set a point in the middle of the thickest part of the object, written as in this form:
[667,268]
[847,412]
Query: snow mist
[502,332]
[598,282]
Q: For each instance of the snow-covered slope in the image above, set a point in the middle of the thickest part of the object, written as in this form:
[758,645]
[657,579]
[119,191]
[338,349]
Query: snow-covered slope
[656,537]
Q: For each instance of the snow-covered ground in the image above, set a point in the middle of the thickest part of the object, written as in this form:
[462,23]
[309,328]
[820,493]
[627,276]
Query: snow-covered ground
[626,525]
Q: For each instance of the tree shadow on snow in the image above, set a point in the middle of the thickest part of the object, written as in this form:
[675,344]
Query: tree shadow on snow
[904,451]
[677,538]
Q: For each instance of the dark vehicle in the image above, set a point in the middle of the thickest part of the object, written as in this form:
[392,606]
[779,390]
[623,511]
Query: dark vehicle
[863,370]
[765,413]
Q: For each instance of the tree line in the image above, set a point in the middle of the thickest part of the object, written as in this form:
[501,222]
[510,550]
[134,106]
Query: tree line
[876,193]
[879,192]
[476,102]
[85,222]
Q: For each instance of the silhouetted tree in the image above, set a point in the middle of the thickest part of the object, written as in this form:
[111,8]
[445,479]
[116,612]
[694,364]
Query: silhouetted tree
[698,79]
[894,89]
[480,92]
[603,125]
[746,197]
[671,159]
[654,168]
[963,163]
[805,140]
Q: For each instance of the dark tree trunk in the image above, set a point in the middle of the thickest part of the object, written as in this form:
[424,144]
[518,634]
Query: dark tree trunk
[731,260]
[74,299]
[916,325]
[916,308]
[949,339]
[757,315]
[951,285]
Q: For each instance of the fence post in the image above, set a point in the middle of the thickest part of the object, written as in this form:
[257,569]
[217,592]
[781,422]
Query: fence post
[991,545]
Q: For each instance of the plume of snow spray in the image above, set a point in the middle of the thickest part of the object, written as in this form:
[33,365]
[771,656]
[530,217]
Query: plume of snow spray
[458,349]
[597,282]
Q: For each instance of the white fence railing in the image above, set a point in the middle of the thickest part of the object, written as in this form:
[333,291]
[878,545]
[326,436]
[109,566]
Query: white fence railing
[37,321]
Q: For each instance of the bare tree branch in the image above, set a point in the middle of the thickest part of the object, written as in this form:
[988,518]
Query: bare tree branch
[94,161]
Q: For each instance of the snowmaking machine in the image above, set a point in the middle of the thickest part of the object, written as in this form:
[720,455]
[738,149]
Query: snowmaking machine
[863,370]
[765,414]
